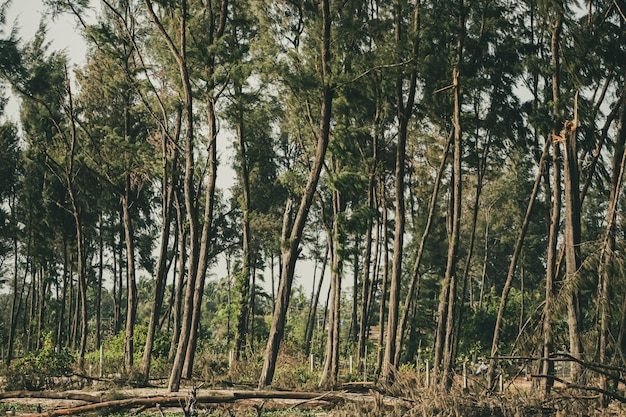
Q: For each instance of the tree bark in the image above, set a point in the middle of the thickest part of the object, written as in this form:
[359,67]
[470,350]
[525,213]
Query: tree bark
[572,245]
[291,247]
[608,247]
[244,276]
[404,113]
[167,197]
[415,275]
[384,283]
[336,237]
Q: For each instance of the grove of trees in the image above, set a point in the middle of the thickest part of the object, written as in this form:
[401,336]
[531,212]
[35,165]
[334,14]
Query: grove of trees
[452,169]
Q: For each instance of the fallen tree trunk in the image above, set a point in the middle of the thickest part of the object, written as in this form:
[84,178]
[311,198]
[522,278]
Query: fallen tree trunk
[168,401]
[54,395]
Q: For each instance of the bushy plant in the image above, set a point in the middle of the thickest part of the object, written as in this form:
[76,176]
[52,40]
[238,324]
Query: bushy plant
[37,371]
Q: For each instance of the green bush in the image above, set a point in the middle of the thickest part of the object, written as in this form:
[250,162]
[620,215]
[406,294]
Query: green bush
[37,371]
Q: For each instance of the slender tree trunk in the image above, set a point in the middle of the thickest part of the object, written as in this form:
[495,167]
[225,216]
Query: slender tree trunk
[131,283]
[366,283]
[495,341]
[621,337]
[315,300]
[167,197]
[205,241]
[63,301]
[415,275]
[218,24]
[445,326]
[244,276]
[180,282]
[99,281]
[606,257]
[17,295]
[180,55]
[572,242]
[404,112]
[331,363]
[384,283]
[354,327]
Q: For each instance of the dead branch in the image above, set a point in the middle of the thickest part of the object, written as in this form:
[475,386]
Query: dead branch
[570,385]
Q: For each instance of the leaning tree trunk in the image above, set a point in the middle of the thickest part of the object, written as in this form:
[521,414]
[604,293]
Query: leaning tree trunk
[415,276]
[608,247]
[447,298]
[292,246]
[495,341]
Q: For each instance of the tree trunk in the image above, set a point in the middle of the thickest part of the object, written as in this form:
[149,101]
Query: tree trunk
[404,113]
[445,326]
[367,261]
[99,281]
[167,197]
[415,276]
[16,299]
[495,341]
[131,283]
[244,276]
[291,247]
[205,242]
[336,238]
[180,282]
[314,302]
[180,55]
[572,242]
[608,247]
[384,283]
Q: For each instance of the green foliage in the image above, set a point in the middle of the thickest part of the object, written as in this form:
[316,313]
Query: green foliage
[114,350]
[38,371]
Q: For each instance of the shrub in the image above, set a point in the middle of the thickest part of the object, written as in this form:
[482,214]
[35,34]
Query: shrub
[37,371]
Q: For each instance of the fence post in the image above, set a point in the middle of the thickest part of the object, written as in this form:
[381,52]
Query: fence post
[464,376]
[365,365]
[427,374]
[101,373]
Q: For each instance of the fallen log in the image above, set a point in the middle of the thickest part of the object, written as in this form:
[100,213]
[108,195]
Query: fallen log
[169,401]
[54,395]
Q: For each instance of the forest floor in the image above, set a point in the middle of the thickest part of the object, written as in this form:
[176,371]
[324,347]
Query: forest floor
[518,400]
